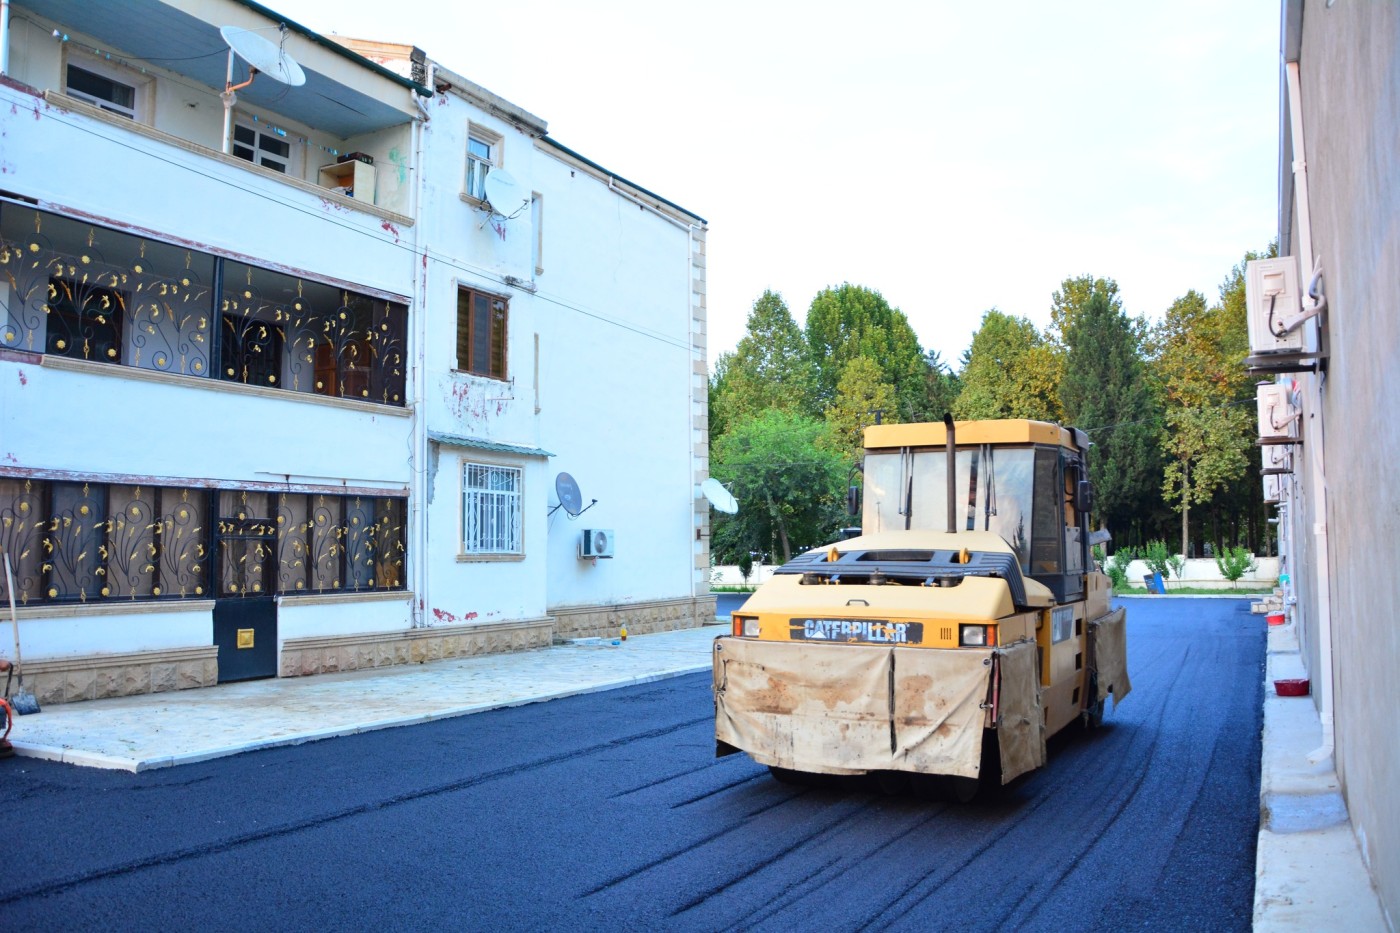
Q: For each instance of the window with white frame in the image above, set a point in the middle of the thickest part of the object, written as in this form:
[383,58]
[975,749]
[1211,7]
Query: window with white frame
[111,87]
[483,154]
[491,509]
[262,145]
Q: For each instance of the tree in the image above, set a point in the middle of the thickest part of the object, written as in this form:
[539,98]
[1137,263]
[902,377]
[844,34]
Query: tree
[1010,371]
[859,395]
[769,368]
[1207,436]
[1104,391]
[943,387]
[1074,294]
[850,321]
[782,468]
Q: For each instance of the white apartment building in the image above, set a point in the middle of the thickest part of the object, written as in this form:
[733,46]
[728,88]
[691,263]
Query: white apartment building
[280,394]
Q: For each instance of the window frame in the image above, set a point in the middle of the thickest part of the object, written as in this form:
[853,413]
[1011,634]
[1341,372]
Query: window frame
[140,85]
[260,130]
[515,504]
[493,142]
[469,295]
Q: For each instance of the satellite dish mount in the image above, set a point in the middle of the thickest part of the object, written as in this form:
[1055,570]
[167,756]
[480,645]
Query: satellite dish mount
[570,499]
[261,56]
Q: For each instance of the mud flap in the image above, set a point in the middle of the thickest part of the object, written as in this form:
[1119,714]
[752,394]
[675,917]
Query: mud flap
[844,709]
[1108,655]
[1021,729]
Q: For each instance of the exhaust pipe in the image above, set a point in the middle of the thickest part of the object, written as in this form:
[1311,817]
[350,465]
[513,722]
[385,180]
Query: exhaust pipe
[952,473]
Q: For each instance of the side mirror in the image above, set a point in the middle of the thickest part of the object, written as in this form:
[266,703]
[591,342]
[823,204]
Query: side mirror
[853,500]
[1084,497]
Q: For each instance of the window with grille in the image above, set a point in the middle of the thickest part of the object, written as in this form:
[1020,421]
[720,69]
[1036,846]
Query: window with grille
[481,333]
[491,502]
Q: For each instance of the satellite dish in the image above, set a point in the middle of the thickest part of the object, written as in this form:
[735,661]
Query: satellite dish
[504,193]
[567,491]
[719,497]
[263,56]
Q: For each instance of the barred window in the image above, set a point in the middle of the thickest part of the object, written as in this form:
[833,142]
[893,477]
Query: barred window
[491,519]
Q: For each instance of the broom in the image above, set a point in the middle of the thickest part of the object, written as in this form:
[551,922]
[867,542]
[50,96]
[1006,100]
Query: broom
[23,702]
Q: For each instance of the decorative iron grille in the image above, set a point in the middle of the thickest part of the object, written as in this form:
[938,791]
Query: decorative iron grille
[78,290]
[92,542]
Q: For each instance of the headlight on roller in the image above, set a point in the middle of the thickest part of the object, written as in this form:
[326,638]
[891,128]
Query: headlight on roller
[746,626]
[977,636]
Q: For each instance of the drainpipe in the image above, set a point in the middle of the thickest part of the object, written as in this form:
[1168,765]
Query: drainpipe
[691,571]
[418,485]
[1317,471]
[4,37]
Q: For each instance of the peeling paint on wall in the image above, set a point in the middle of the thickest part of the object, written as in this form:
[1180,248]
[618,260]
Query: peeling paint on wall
[446,618]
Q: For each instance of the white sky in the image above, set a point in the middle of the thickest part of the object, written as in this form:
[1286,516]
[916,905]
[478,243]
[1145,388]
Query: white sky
[955,156]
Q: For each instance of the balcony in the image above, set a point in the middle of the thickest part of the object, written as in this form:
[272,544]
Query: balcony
[158,69]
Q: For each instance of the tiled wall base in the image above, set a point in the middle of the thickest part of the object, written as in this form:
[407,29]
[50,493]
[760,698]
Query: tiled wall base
[93,677]
[326,655]
[640,618]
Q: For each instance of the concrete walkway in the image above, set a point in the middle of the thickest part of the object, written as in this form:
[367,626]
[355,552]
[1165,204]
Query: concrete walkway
[162,729]
[1310,875]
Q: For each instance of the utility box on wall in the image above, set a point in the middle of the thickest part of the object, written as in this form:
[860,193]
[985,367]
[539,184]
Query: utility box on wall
[1278,416]
[1275,305]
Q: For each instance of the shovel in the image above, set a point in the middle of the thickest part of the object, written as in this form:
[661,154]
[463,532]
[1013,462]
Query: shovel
[23,701]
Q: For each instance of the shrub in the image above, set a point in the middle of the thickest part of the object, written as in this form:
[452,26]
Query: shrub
[745,565]
[1157,557]
[1117,567]
[1177,563]
[1235,562]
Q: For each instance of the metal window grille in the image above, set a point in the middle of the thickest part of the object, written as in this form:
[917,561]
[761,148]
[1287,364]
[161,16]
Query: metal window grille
[491,519]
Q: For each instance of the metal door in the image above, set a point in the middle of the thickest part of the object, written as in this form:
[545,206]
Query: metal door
[245,613]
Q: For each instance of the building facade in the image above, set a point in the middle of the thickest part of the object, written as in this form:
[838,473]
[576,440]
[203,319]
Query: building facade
[1339,207]
[282,393]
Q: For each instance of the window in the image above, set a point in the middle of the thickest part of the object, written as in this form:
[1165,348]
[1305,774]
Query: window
[102,88]
[84,321]
[491,522]
[537,225]
[261,147]
[481,333]
[483,154]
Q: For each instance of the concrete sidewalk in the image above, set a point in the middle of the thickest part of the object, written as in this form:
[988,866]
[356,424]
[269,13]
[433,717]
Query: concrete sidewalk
[1309,872]
[162,729]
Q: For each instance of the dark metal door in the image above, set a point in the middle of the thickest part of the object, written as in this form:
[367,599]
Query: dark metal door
[245,613]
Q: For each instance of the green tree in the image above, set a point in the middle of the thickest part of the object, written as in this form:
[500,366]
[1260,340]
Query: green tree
[1199,357]
[1010,371]
[859,395]
[850,321]
[943,387]
[782,468]
[769,368]
[1104,390]
[1070,299]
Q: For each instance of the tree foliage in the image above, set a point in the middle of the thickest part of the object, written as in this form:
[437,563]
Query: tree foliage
[782,468]
[1104,390]
[859,394]
[770,367]
[1010,371]
[852,321]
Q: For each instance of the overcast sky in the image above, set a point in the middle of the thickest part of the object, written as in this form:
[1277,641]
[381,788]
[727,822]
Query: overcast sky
[954,156]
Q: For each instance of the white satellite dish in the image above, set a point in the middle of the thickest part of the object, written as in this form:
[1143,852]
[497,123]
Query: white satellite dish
[262,56]
[719,497]
[504,194]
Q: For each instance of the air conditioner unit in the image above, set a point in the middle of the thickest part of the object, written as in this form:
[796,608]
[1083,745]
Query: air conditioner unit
[1274,303]
[1278,459]
[1278,416]
[1273,489]
[595,543]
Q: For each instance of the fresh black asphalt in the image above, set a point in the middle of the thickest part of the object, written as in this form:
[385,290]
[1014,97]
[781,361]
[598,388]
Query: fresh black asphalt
[609,812]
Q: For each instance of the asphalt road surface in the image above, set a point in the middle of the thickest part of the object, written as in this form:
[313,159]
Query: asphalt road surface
[609,811]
